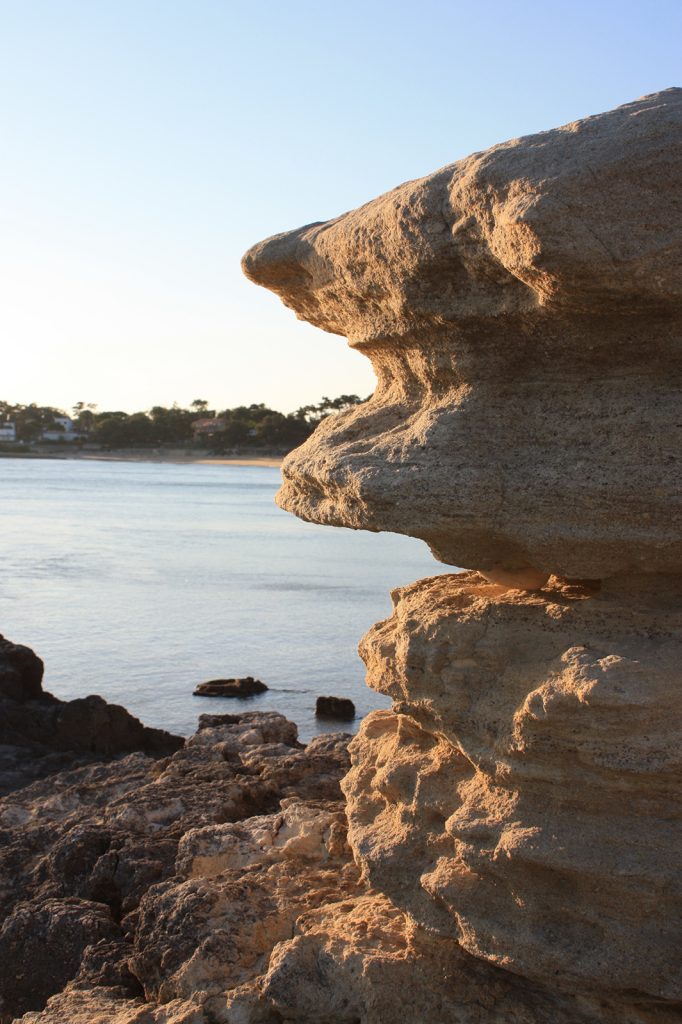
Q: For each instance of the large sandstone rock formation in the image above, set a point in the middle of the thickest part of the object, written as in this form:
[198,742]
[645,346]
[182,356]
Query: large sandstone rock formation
[523,311]
[512,855]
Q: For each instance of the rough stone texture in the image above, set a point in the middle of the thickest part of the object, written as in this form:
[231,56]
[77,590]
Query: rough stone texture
[363,960]
[218,886]
[522,311]
[521,802]
[171,877]
[525,797]
[515,820]
[40,735]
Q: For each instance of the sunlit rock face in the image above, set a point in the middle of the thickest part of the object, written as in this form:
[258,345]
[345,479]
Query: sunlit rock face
[525,797]
[522,310]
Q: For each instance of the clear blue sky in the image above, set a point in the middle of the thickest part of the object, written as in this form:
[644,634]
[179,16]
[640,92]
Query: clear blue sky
[147,143]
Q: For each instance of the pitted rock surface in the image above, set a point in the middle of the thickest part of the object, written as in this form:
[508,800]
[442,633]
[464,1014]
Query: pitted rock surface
[90,893]
[525,797]
[522,310]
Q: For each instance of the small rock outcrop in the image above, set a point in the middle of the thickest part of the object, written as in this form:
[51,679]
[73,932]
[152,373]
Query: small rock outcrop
[340,708]
[40,734]
[245,687]
[522,309]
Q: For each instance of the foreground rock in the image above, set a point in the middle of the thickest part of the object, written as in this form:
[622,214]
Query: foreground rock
[246,687]
[131,884]
[40,735]
[218,886]
[533,820]
[520,805]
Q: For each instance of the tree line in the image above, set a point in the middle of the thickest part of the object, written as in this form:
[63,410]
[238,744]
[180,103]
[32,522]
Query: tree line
[245,426]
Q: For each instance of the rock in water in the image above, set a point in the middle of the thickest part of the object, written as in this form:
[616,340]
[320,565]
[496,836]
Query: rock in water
[41,735]
[335,707]
[522,309]
[246,687]
[21,672]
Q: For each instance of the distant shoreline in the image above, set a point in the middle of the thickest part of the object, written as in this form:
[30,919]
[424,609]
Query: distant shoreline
[171,457]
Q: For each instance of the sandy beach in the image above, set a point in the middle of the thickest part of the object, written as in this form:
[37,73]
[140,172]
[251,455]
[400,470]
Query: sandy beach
[171,456]
[241,462]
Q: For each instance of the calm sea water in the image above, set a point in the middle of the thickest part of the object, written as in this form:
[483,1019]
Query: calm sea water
[137,581]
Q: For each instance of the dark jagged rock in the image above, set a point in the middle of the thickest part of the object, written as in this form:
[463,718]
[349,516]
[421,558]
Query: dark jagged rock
[21,672]
[340,708]
[41,735]
[42,945]
[245,687]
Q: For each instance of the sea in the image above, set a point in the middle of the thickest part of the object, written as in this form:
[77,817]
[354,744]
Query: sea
[139,580]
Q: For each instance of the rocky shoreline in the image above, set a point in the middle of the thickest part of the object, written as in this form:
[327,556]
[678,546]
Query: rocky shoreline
[209,880]
[503,845]
[138,868]
[41,735]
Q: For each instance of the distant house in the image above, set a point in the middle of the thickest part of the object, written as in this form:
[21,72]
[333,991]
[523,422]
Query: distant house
[61,429]
[8,430]
[203,430]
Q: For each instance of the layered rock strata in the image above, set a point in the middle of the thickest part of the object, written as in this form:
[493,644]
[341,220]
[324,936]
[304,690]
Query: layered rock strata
[524,797]
[522,309]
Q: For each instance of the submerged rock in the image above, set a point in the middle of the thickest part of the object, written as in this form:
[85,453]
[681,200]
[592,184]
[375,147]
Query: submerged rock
[244,687]
[21,672]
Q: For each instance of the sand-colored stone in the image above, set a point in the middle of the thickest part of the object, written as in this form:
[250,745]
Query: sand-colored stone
[514,837]
[522,310]
[524,799]
[521,802]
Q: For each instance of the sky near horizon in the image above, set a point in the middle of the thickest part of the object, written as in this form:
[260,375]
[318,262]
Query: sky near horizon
[148,143]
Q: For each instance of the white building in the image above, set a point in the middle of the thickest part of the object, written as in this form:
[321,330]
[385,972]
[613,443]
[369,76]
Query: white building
[62,430]
[8,430]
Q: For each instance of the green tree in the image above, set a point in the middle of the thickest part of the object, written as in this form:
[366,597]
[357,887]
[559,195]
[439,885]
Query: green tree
[84,416]
[171,425]
[118,430]
[200,406]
